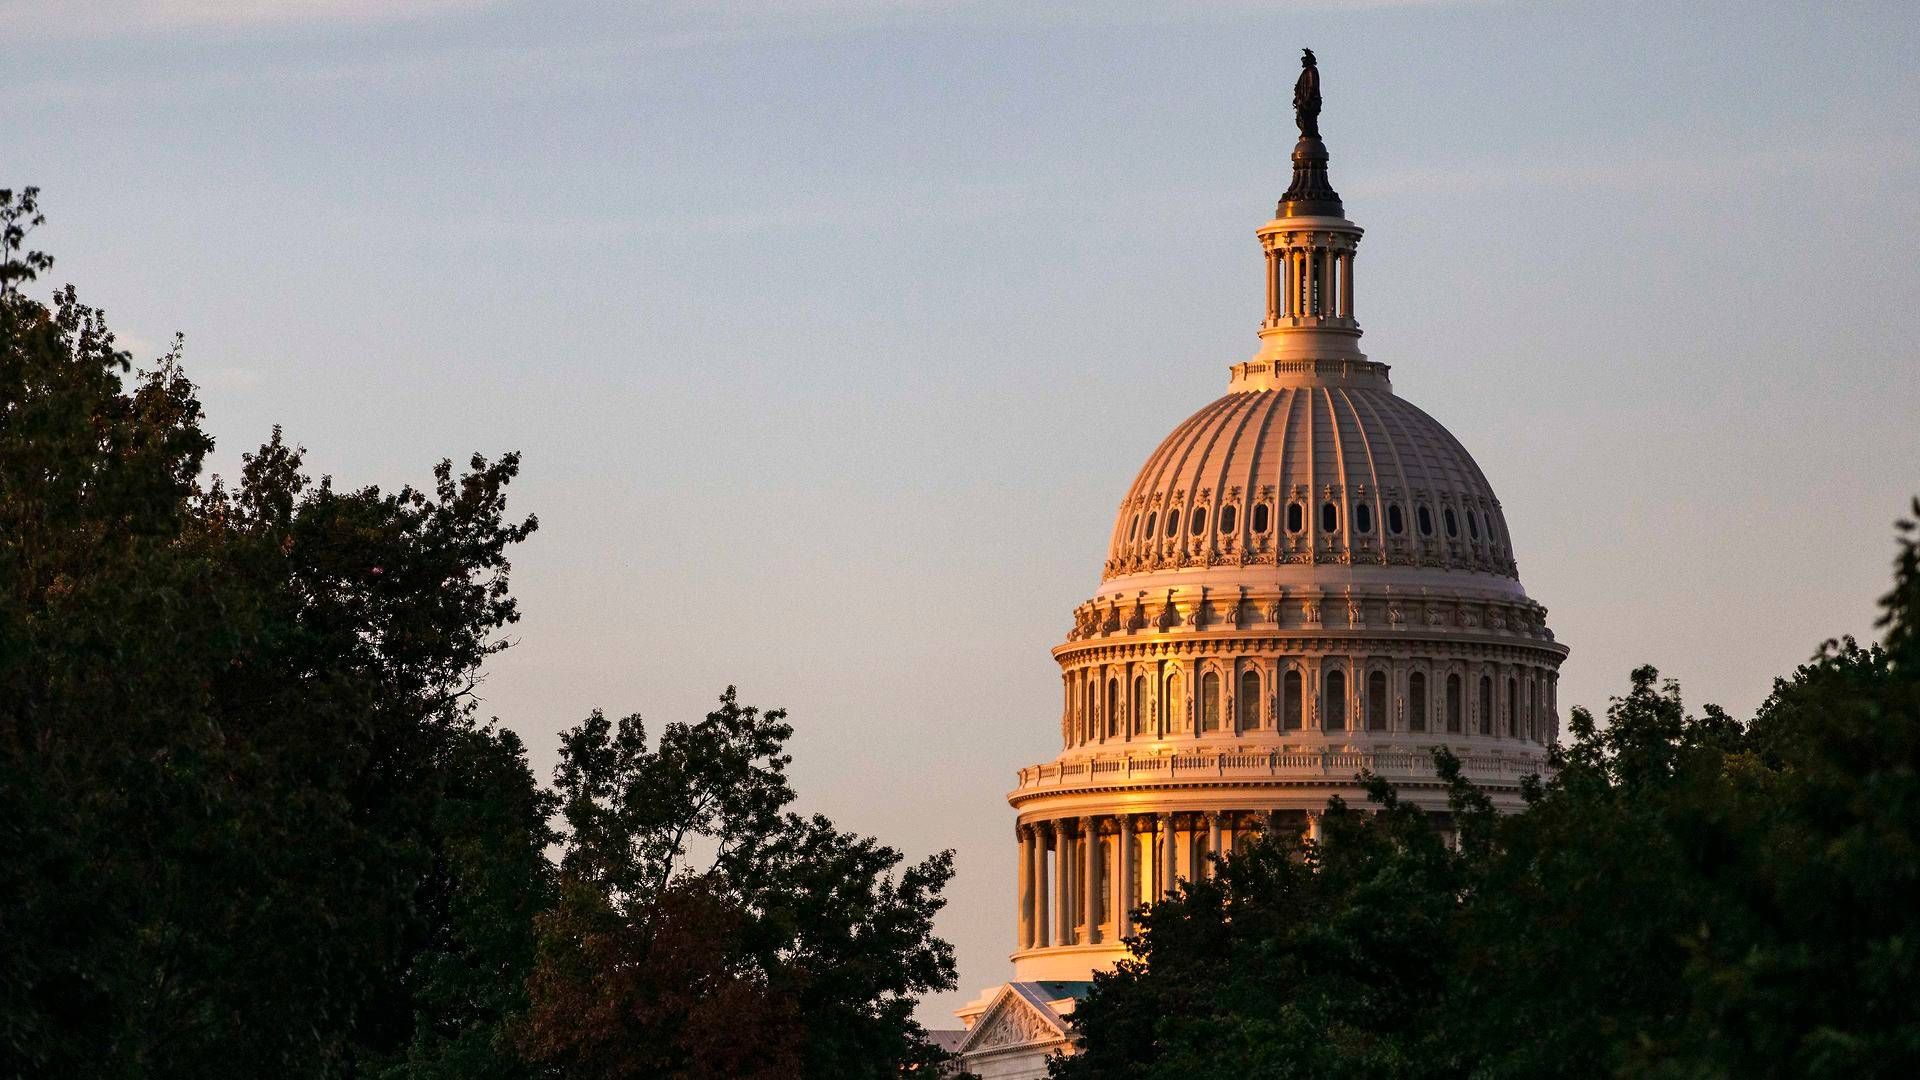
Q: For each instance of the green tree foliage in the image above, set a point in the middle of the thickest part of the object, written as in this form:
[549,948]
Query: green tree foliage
[704,930]
[249,825]
[1684,896]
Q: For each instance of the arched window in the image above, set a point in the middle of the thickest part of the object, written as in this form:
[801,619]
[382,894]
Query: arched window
[1296,517]
[1329,518]
[1424,518]
[1454,711]
[1453,524]
[1113,708]
[1334,707]
[1229,517]
[1199,520]
[1246,704]
[1260,516]
[1486,705]
[1363,518]
[1396,522]
[1210,701]
[1139,718]
[1151,516]
[1377,701]
[1513,708]
[1173,522]
[1172,709]
[1417,702]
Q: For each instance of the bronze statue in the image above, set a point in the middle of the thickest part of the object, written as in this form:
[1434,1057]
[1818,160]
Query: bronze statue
[1306,97]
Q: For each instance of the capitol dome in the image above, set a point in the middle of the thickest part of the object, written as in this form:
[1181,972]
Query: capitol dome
[1295,469]
[1310,580]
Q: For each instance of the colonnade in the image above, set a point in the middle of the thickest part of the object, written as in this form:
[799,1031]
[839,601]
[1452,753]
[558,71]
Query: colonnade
[1309,281]
[1081,878]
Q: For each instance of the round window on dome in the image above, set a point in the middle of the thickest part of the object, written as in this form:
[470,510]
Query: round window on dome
[1363,518]
[1260,516]
[1229,517]
[1453,523]
[1296,517]
[1425,519]
[1173,523]
[1199,524]
[1329,518]
[1396,522]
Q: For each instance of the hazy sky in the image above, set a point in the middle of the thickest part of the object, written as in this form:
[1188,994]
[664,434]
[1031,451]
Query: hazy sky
[833,332]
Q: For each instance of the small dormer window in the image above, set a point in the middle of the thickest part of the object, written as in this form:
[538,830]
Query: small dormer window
[1261,516]
[1453,523]
[1133,530]
[1296,517]
[1329,518]
[1173,522]
[1229,517]
[1396,522]
[1199,520]
[1424,517]
[1363,519]
[1150,519]
[1473,525]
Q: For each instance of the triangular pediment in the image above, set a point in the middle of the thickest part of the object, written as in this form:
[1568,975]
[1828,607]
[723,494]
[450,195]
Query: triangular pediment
[1014,1019]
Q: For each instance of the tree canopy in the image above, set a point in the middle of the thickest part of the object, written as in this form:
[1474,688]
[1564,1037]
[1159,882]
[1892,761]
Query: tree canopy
[251,823]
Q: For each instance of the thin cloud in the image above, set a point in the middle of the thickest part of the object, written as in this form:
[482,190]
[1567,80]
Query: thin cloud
[98,18]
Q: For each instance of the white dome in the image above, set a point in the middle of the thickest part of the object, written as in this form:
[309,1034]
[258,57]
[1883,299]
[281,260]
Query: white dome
[1318,471]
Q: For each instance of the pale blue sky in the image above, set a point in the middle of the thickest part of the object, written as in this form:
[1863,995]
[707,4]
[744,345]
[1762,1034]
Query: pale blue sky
[833,332]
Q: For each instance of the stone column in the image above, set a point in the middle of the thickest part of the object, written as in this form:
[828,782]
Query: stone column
[1163,863]
[1063,890]
[1273,292]
[1313,825]
[1123,900]
[1041,832]
[1090,888]
[1024,891]
[1213,843]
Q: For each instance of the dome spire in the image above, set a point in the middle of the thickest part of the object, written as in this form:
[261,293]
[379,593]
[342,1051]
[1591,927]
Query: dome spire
[1311,194]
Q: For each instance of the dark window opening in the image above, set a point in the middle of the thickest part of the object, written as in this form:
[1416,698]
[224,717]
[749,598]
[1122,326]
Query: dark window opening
[1377,701]
[1260,516]
[1173,523]
[1329,518]
[1246,704]
[1363,518]
[1334,708]
[1453,524]
[1210,702]
[1150,520]
[1396,523]
[1486,705]
[1199,521]
[1290,700]
[1417,702]
[1425,520]
[1296,517]
[1453,705]
[1133,530]
[1229,517]
[1473,525]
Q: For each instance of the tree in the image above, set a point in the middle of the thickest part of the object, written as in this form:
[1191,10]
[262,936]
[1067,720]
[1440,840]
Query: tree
[1683,896]
[704,930]
[249,824]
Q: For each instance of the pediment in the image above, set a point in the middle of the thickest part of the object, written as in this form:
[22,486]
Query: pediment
[1015,1019]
